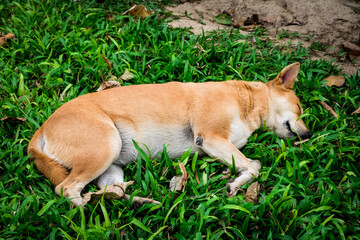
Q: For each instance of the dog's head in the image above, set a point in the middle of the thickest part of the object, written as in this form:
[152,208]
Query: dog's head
[284,106]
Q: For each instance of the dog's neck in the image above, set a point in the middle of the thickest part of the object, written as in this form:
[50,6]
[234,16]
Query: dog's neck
[254,100]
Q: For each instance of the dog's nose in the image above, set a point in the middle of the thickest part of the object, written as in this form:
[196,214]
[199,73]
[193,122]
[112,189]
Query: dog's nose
[306,135]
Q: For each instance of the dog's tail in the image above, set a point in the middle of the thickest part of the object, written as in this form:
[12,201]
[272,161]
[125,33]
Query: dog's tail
[51,169]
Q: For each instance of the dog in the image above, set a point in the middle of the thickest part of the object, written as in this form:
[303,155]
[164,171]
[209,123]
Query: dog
[92,135]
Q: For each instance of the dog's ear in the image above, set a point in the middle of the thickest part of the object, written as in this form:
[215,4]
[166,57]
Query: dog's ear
[287,76]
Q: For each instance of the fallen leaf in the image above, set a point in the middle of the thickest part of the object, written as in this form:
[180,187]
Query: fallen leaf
[334,81]
[126,76]
[252,193]
[137,202]
[110,17]
[356,111]
[13,119]
[108,84]
[9,36]
[112,191]
[223,18]
[328,108]
[4,38]
[178,183]
[2,41]
[139,11]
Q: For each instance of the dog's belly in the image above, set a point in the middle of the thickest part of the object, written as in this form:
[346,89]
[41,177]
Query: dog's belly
[239,133]
[177,141]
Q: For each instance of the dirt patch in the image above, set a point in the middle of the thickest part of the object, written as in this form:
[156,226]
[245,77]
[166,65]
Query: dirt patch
[330,22]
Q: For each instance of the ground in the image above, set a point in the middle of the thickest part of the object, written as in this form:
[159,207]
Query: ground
[328,22]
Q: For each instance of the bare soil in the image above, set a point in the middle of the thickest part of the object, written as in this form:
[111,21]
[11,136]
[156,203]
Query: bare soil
[329,22]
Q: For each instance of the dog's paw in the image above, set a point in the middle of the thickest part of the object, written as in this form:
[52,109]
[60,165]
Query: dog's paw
[232,188]
[77,202]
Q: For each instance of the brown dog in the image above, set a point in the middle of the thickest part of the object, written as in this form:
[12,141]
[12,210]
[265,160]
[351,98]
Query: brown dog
[92,134]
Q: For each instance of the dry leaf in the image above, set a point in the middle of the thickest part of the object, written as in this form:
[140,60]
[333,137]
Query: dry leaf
[6,37]
[178,183]
[356,111]
[113,191]
[139,11]
[108,84]
[13,119]
[2,41]
[126,76]
[113,81]
[9,36]
[137,202]
[335,81]
[252,193]
[327,107]
[110,17]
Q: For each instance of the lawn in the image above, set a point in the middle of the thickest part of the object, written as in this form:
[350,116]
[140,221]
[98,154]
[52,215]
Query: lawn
[308,191]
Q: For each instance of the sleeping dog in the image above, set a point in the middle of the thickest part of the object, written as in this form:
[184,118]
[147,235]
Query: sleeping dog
[92,135]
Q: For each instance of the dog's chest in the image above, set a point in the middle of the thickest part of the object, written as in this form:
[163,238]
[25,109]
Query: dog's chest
[240,132]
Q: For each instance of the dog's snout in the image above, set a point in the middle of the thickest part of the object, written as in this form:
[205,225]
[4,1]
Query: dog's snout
[306,135]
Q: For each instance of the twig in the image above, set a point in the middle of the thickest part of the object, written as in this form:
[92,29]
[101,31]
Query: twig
[327,107]
[300,142]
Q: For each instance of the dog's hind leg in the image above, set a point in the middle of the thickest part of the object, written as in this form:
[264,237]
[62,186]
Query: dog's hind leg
[222,149]
[87,155]
[114,174]
[83,172]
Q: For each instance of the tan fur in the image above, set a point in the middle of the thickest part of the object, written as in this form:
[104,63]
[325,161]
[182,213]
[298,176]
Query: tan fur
[52,170]
[93,132]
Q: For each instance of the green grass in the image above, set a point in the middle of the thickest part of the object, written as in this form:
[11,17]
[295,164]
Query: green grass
[307,192]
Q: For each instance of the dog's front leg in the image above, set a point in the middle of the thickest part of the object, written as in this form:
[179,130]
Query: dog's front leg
[222,149]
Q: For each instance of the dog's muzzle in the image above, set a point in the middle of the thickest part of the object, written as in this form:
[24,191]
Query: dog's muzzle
[306,135]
